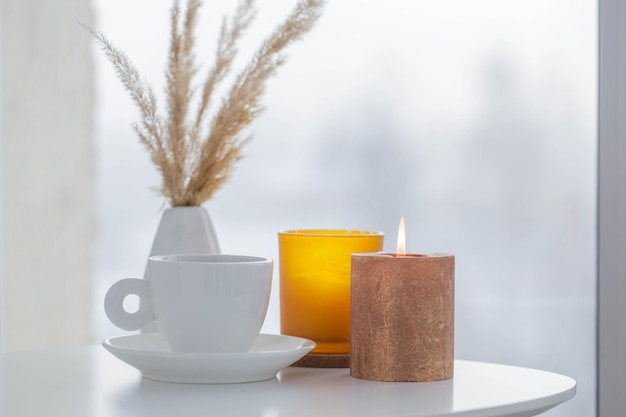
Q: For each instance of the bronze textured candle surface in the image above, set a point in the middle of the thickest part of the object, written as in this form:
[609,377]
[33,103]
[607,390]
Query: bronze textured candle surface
[402,317]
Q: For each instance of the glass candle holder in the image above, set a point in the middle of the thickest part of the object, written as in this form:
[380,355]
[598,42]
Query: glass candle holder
[315,284]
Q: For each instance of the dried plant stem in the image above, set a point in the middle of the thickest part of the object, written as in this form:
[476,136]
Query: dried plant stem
[195,164]
[241,106]
[180,71]
[149,129]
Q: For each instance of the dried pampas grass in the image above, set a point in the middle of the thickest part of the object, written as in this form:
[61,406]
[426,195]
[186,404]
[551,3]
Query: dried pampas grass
[195,153]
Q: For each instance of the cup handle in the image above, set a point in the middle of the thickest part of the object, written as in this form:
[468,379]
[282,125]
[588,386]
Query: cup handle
[114,304]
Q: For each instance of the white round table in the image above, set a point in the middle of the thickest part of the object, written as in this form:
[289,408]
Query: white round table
[90,382]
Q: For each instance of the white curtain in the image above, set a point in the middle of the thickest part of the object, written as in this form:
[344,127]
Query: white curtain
[47,173]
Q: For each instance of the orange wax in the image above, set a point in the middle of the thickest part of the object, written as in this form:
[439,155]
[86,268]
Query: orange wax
[315,284]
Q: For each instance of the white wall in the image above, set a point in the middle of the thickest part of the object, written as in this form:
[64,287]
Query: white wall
[47,172]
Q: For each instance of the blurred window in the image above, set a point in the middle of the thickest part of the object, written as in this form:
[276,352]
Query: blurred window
[474,120]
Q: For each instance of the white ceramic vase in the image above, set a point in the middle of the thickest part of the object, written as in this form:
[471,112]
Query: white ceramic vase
[183,230]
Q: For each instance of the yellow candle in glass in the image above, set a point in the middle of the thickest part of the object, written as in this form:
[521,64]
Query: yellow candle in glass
[315,283]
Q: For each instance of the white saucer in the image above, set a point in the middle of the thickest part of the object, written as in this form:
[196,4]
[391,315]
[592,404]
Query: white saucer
[150,354]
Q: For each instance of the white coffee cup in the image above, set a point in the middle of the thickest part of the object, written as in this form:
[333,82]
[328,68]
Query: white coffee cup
[201,303]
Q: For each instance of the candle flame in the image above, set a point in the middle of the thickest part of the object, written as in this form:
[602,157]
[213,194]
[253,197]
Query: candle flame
[401,248]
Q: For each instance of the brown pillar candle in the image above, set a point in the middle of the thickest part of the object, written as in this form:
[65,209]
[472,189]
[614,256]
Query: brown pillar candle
[402,317]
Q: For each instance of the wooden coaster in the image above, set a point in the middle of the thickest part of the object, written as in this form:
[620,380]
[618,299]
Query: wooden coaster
[321,360]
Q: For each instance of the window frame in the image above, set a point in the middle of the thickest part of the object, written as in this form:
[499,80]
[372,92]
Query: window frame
[1,210]
[611,222]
